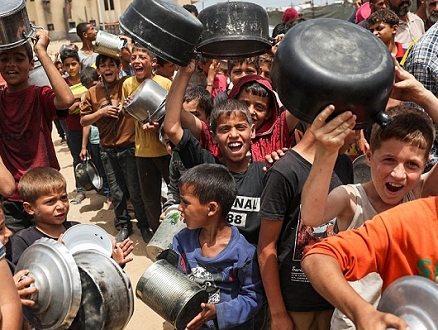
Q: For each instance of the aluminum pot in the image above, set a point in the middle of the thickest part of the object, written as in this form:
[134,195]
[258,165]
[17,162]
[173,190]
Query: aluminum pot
[170,293]
[88,176]
[163,27]
[38,75]
[58,281]
[234,30]
[414,299]
[15,27]
[329,61]
[109,44]
[107,298]
[148,102]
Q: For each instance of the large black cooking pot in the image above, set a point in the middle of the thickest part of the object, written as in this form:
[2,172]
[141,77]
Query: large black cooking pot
[163,27]
[234,30]
[329,61]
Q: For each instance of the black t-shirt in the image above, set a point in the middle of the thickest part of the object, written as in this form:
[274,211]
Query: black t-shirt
[281,201]
[244,212]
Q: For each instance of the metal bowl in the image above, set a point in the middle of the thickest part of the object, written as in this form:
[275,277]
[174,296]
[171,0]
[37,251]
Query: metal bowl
[88,176]
[86,237]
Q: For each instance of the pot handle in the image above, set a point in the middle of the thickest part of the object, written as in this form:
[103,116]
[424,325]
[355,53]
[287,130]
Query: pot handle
[383,119]
[32,32]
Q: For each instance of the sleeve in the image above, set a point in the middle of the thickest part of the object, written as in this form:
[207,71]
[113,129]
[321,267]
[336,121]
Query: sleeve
[173,196]
[249,300]
[47,98]
[191,152]
[87,104]
[2,251]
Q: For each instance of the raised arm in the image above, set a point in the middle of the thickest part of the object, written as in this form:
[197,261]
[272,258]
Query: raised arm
[63,96]
[330,138]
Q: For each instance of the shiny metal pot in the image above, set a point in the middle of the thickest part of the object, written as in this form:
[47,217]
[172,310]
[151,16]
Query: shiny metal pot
[38,75]
[108,44]
[15,27]
[88,176]
[148,102]
[170,293]
[234,30]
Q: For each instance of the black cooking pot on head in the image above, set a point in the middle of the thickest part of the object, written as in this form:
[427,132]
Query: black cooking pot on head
[234,30]
[164,28]
[329,61]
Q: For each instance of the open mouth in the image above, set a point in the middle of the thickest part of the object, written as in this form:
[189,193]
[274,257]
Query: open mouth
[138,70]
[394,187]
[235,146]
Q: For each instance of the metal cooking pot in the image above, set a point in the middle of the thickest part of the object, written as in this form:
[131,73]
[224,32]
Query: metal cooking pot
[88,176]
[148,102]
[329,61]
[234,30]
[163,27]
[86,237]
[414,299]
[170,293]
[38,75]
[361,170]
[15,27]
[109,44]
[107,298]
[58,281]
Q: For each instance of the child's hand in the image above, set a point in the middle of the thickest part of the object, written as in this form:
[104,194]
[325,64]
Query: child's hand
[41,42]
[110,111]
[121,252]
[151,126]
[406,87]
[208,313]
[83,155]
[331,135]
[190,68]
[22,283]
[271,158]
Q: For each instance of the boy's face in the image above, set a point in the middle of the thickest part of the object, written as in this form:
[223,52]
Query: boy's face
[109,70]
[240,70]
[265,71]
[91,32]
[15,65]
[194,108]
[194,214]
[233,135]
[384,31]
[167,70]
[258,106]
[72,66]
[396,168]
[142,64]
[5,233]
[49,209]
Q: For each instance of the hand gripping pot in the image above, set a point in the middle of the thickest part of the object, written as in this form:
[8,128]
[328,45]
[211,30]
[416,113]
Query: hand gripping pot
[164,28]
[329,61]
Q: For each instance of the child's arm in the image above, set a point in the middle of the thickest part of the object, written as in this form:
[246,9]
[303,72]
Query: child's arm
[176,118]
[63,96]
[11,315]
[7,182]
[316,207]
[121,252]
[88,117]
[85,136]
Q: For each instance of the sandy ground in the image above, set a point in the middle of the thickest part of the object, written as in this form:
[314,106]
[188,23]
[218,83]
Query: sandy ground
[93,210]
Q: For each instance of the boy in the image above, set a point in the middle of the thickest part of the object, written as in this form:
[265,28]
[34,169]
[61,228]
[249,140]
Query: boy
[87,33]
[232,130]
[45,198]
[384,24]
[213,253]
[151,155]
[164,68]
[117,134]
[72,65]
[26,114]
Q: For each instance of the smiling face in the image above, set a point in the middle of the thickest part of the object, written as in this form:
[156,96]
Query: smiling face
[141,63]
[50,208]
[15,66]
[258,106]
[108,69]
[396,168]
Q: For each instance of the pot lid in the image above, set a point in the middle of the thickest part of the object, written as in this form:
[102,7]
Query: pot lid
[57,279]
[412,298]
[85,237]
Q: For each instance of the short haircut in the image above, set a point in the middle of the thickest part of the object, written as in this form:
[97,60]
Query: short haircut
[88,76]
[191,9]
[81,28]
[211,183]
[69,53]
[255,88]
[102,58]
[249,60]
[198,79]
[141,48]
[227,108]
[385,16]
[161,61]
[409,125]
[265,58]
[200,94]
[39,181]
[27,46]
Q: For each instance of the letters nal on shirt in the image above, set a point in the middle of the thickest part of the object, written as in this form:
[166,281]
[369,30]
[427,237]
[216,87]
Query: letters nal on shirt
[245,205]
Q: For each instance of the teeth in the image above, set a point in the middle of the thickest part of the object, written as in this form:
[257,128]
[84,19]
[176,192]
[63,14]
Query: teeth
[395,185]
[236,144]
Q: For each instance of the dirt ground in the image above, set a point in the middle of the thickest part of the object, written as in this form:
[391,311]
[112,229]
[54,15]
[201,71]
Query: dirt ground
[93,210]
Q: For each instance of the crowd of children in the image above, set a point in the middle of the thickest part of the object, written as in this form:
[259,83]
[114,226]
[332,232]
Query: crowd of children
[259,241]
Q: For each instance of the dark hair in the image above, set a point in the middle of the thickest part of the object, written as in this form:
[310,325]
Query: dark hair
[69,53]
[200,94]
[228,107]
[385,16]
[81,28]
[39,181]
[409,125]
[191,9]
[102,58]
[88,76]
[211,183]
[198,79]
[249,60]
